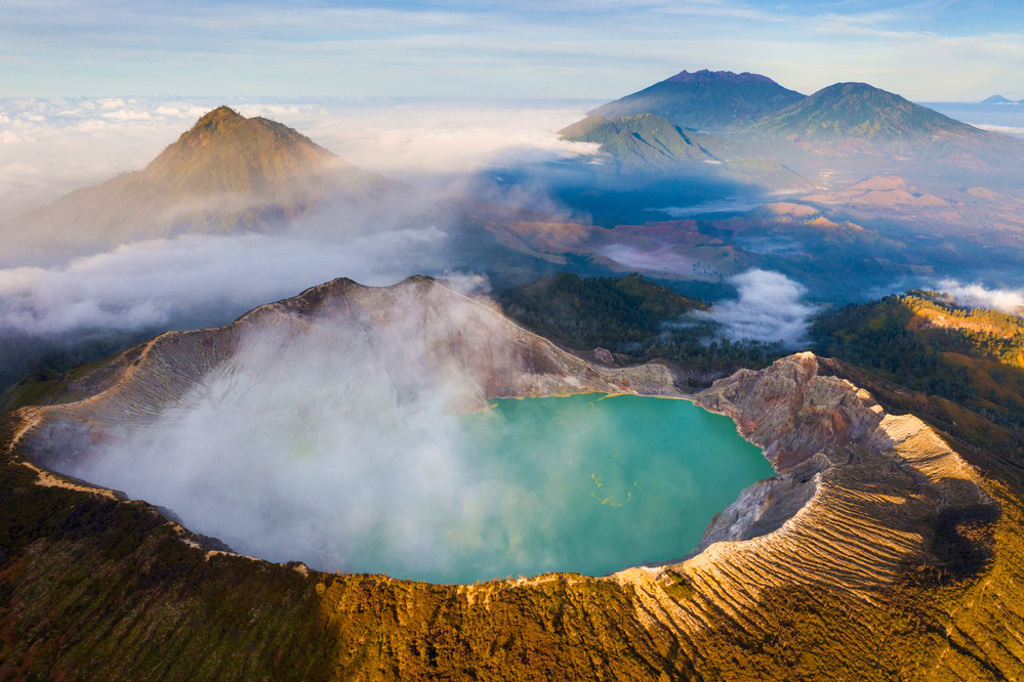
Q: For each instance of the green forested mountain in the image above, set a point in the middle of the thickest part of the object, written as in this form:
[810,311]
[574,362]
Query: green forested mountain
[652,144]
[629,315]
[646,141]
[706,100]
[852,128]
[926,342]
[858,110]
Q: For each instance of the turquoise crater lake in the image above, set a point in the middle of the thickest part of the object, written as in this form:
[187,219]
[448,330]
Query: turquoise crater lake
[591,484]
[402,486]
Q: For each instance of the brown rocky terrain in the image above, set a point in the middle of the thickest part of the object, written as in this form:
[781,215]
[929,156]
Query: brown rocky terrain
[876,552]
[890,190]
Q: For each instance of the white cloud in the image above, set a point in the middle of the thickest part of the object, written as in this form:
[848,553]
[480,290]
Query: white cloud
[1006,130]
[977,295]
[160,283]
[52,147]
[770,308]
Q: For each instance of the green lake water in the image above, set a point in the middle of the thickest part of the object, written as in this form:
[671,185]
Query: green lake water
[588,483]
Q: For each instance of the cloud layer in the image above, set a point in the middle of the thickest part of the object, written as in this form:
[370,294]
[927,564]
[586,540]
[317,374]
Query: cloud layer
[49,147]
[53,146]
[770,308]
[194,279]
[1006,300]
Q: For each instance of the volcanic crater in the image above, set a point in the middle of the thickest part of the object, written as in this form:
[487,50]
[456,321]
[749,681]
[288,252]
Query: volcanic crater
[868,515]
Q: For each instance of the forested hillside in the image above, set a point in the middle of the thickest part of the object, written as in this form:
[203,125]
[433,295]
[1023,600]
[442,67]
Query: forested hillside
[926,342]
[628,315]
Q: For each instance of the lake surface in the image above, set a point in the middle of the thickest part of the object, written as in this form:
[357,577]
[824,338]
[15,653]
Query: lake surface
[599,484]
[396,483]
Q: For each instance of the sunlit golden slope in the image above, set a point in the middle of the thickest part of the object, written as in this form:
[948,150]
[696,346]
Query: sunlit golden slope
[226,174]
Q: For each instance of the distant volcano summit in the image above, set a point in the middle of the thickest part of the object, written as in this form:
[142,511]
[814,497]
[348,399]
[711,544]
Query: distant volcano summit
[226,174]
[226,152]
[706,100]
[862,111]
[746,127]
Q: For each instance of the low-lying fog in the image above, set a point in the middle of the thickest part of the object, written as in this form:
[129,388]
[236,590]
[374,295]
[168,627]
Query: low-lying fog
[53,146]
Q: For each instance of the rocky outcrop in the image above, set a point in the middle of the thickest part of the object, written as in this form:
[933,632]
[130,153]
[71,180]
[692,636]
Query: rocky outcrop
[876,552]
[856,492]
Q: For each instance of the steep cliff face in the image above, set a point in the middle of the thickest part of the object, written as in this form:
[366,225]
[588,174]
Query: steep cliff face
[875,552]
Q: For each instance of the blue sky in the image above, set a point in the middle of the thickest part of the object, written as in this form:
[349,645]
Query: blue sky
[928,50]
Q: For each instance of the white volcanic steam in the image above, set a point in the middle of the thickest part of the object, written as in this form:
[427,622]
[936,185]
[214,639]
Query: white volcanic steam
[770,308]
[335,443]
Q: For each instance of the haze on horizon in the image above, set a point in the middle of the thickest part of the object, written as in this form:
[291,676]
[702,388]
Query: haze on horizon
[962,50]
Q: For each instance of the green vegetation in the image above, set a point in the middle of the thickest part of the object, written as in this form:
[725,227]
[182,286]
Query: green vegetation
[99,589]
[629,315]
[646,141]
[924,341]
[614,313]
[32,369]
[706,100]
[859,110]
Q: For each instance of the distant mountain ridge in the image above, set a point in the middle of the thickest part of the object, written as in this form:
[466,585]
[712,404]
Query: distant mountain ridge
[862,111]
[227,173]
[705,100]
[647,140]
[752,122]
[998,99]
[651,144]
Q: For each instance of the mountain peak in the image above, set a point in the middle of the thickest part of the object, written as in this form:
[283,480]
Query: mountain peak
[706,100]
[861,111]
[705,77]
[222,115]
[853,88]
[225,151]
[227,173]
[211,125]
